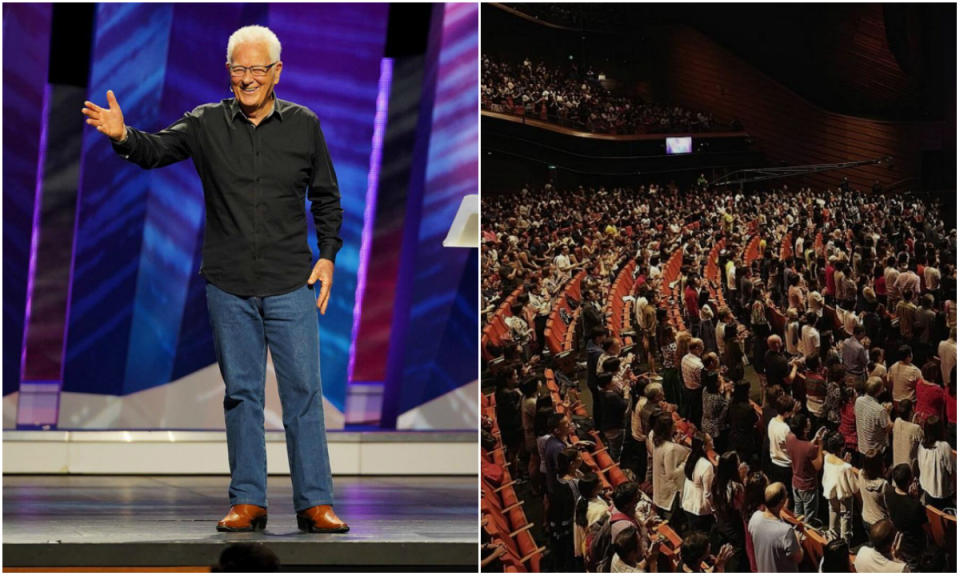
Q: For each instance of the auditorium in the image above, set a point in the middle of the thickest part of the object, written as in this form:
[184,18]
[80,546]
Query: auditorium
[718,288]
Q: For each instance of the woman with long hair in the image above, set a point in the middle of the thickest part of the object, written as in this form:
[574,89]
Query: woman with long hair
[590,509]
[872,488]
[672,353]
[840,484]
[561,511]
[716,403]
[938,466]
[743,436]
[698,480]
[727,494]
[668,464]
[753,494]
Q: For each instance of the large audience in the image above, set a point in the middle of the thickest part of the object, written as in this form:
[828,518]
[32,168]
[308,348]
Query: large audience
[577,99]
[808,340]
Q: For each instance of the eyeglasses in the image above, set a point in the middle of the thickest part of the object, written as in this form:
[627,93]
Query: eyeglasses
[257,71]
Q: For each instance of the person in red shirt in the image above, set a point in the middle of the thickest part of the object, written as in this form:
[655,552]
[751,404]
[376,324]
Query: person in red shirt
[879,282]
[931,399]
[806,458]
[848,420]
[831,287]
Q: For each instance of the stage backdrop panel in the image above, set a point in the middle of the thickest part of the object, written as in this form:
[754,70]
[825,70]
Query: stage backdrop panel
[26,51]
[139,349]
[432,370]
[136,347]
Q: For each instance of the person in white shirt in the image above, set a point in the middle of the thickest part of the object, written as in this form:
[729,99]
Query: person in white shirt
[840,484]
[947,351]
[879,555]
[669,458]
[562,259]
[591,508]
[931,277]
[698,479]
[791,335]
[777,432]
[906,280]
[938,466]
[890,274]
[810,336]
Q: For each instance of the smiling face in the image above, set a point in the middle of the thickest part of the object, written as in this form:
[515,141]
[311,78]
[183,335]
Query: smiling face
[252,92]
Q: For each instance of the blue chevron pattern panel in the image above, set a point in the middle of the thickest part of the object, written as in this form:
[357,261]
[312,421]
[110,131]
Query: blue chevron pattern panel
[26,50]
[442,339]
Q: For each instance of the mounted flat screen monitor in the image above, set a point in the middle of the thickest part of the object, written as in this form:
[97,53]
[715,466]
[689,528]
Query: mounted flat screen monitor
[682,145]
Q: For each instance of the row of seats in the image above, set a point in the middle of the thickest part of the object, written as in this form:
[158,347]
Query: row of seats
[560,337]
[711,271]
[618,311]
[496,331]
[608,471]
[503,518]
[671,271]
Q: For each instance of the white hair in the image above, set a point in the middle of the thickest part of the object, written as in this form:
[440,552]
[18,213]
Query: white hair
[255,34]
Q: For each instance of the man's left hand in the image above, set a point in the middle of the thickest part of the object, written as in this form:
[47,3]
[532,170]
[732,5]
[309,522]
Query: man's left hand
[322,271]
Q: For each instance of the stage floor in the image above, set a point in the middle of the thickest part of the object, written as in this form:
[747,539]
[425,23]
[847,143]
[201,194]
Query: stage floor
[415,523]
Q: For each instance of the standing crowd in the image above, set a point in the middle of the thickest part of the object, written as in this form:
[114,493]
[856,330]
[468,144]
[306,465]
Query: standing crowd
[795,374]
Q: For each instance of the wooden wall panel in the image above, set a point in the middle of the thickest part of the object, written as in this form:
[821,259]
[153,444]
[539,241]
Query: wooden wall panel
[787,128]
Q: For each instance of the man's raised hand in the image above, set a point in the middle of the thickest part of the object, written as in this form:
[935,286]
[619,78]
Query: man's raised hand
[108,121]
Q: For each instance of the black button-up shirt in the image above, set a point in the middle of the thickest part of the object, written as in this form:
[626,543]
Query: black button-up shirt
[254,180]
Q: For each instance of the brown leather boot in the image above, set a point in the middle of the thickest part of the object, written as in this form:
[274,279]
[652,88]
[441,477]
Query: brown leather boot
[320,519]
[244,518]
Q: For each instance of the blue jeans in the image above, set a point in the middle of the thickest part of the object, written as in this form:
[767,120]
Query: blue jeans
[805,502]
[243,328]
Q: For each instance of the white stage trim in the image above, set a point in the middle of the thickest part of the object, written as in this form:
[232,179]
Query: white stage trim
[10,410]
[205,452]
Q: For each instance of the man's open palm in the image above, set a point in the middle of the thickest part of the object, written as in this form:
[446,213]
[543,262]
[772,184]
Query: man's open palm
[107,121]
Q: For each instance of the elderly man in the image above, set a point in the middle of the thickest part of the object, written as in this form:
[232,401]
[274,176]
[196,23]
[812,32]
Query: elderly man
[873,419]
[780,370]
[257,156]
[776,545]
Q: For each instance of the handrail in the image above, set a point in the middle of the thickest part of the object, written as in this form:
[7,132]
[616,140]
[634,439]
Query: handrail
[528,121]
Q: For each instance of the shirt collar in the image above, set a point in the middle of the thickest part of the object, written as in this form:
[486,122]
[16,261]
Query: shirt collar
[278,107]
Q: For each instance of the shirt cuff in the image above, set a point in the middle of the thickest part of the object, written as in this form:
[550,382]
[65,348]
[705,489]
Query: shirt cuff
[126,147]
[328,252]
